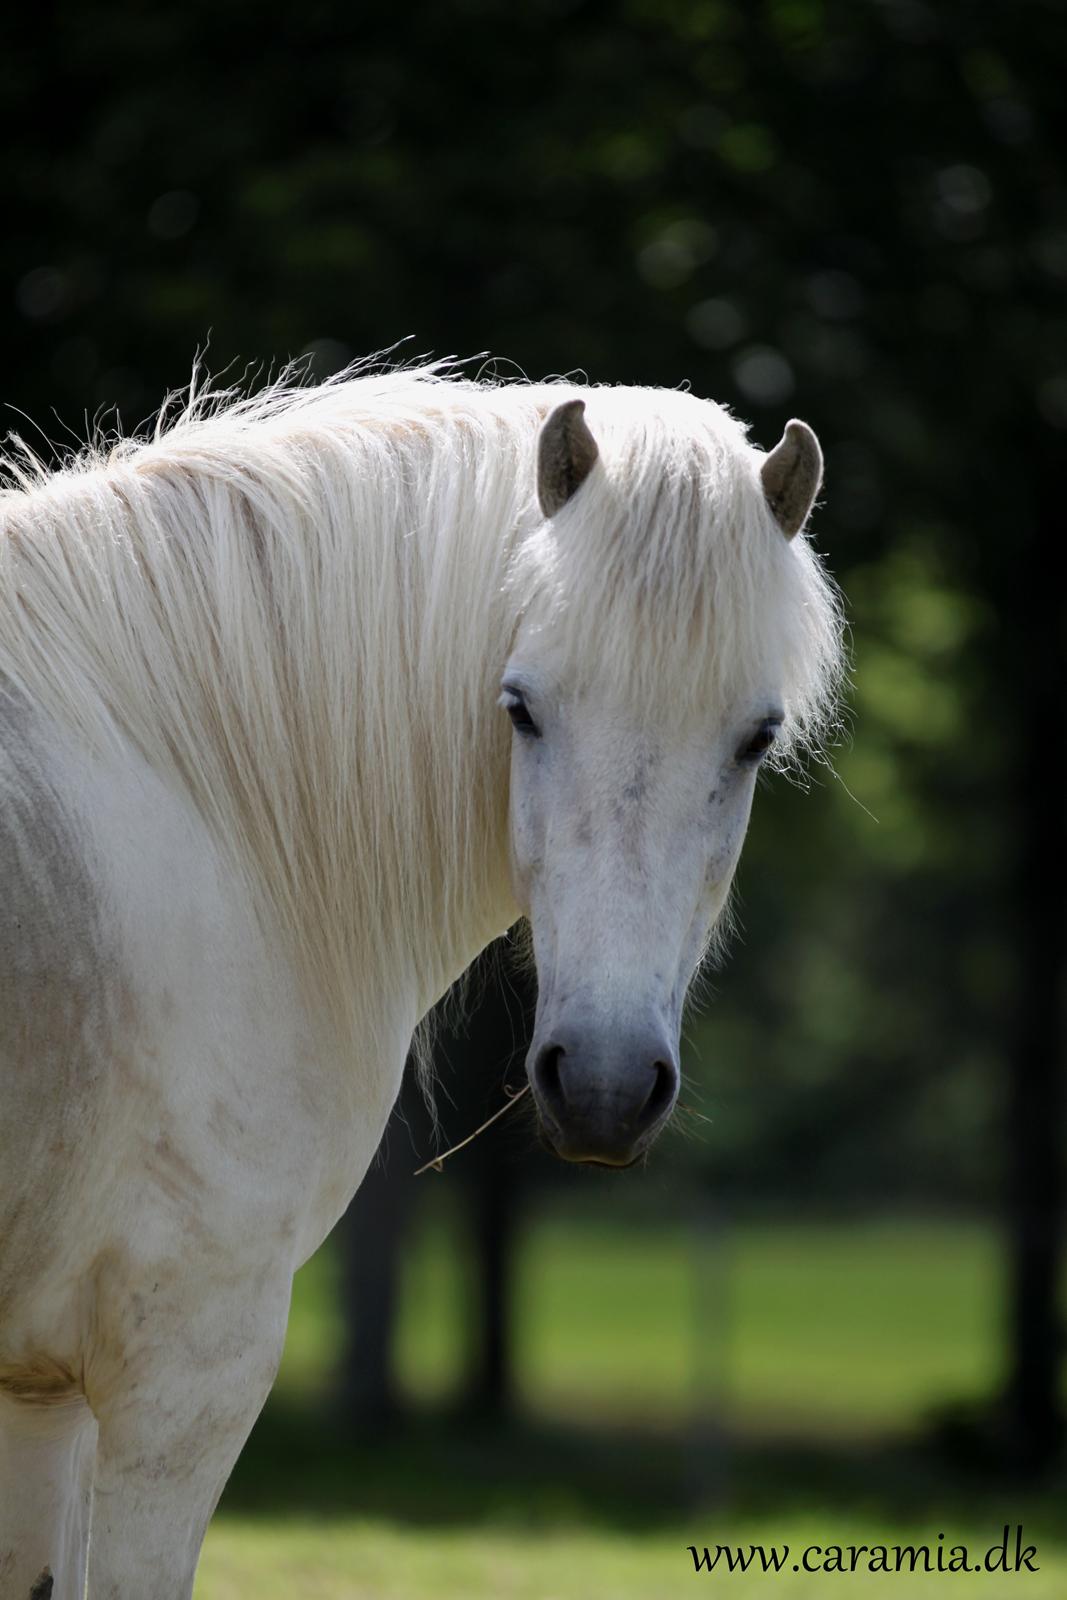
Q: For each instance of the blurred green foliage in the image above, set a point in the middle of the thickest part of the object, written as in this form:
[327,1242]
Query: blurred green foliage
[849,209]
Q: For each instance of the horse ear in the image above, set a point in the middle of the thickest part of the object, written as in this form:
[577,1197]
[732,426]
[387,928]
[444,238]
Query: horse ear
[566,454]
[791,475]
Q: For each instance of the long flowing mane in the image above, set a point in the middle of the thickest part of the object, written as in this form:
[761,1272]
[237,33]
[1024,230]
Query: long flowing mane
[296,606]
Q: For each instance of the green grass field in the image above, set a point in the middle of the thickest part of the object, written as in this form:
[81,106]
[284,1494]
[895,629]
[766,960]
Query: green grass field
[375,1561]
[772,1385]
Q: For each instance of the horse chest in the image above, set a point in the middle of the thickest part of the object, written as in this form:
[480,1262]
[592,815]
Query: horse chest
[162,1090]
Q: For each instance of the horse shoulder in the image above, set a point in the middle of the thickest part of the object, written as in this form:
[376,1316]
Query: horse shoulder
[147,1030]
[57,980]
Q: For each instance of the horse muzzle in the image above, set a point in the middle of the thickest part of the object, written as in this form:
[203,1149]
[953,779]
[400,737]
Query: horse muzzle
[602,1101]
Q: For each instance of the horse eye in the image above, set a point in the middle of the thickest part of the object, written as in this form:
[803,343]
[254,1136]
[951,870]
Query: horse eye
[521,720]
[760,742]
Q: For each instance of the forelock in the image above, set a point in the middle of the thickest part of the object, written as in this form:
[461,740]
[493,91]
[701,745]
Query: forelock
[668,577]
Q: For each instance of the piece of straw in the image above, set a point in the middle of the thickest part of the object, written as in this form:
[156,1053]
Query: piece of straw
[437,1164]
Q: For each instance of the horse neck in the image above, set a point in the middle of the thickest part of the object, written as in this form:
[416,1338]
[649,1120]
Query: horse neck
[324,691]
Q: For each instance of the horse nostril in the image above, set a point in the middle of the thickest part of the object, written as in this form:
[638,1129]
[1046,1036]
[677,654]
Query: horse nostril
[661,1095]
[548,1080]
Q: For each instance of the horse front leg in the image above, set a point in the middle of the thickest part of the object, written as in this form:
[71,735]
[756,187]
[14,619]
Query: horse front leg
[47,1447]
[194,1379]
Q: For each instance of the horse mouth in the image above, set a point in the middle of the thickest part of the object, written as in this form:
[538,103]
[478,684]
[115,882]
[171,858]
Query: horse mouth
[602,1163]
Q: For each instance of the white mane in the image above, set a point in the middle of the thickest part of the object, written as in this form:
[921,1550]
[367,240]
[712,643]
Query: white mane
[298,606]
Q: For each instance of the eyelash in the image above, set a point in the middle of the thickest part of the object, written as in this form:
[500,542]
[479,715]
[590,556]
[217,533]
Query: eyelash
[756,747]
[519,712]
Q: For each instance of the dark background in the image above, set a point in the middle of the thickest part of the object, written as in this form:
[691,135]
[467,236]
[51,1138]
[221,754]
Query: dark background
[851,211]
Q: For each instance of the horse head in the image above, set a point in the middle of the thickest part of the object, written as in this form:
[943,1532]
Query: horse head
[659,663]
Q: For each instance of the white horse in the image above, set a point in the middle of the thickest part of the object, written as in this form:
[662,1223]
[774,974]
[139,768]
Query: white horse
[261,803]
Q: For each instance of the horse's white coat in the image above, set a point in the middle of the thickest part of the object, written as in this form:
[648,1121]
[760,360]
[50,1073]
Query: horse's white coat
[254,820]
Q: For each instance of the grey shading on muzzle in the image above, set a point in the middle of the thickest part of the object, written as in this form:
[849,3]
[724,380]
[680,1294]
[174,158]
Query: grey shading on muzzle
[603,1100]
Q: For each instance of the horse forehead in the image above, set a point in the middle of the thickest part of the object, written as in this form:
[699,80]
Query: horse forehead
[633,776]
[649,746]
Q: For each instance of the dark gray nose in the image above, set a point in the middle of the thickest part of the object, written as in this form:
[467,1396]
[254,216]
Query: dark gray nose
[601,1101]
